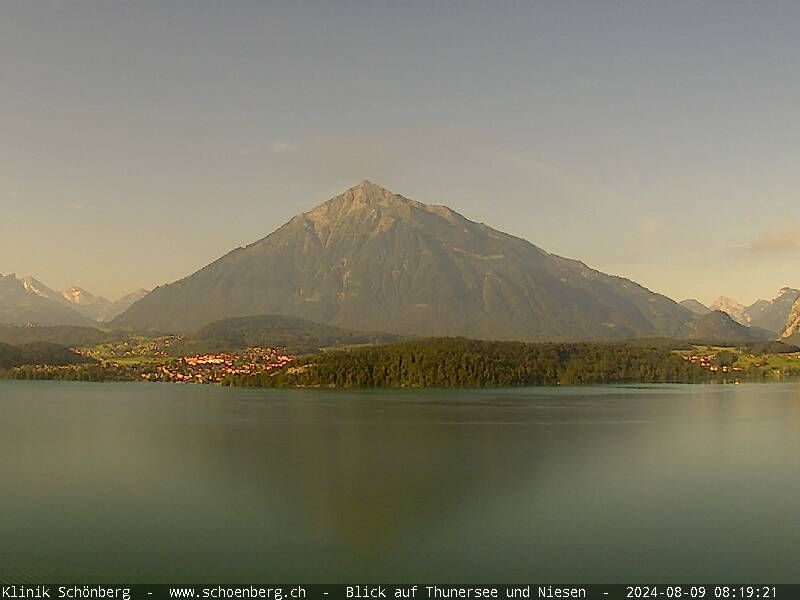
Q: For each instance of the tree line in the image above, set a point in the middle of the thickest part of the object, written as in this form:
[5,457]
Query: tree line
[458,362]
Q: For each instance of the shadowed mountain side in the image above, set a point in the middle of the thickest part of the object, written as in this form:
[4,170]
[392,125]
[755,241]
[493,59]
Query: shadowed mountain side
[695,306]
[118,307]
[39,353]
[371,260]
[86,303]
[65,335]
[718,327]
[766,314]
[773,314]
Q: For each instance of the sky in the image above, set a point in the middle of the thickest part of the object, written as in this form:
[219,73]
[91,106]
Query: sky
[659,141]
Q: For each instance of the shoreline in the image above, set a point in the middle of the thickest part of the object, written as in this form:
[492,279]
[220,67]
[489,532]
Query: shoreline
[333,388]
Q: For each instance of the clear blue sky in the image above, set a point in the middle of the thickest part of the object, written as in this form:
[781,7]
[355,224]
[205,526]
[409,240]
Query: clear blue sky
[655,140]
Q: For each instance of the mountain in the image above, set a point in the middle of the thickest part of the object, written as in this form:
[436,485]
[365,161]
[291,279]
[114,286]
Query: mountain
[34,286]
[774,314]
[27,301]
[695,306]
[85,303]
[116,308]
[766,314]
[718,327]
[372,260]
[98,308]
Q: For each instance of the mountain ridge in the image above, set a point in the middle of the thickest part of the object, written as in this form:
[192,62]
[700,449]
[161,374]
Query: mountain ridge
[718,327]
[26,300]
[772,315]
[695,306]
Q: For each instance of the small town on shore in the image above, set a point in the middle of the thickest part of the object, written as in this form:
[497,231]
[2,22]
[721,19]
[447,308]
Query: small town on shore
[154,359]
[214,368]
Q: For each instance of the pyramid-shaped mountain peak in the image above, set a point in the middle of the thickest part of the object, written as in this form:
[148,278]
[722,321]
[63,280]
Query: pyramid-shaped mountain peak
[369,185]
[372,260]
[369,193]
[365,200]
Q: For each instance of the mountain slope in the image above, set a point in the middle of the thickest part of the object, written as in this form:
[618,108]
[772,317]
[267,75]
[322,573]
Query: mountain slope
[718,327]
[792,327]
[87,304]
[738,312]
[695,306]
[116,308]
[773,314]
[371,260]
[34,286]
[766,314]
[27,301]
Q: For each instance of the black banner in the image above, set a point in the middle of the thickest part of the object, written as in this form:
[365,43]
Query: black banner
[367,592]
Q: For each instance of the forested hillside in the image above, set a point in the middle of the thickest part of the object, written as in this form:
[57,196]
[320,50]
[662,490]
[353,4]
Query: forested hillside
[64,335]
[38,353]
[298,336]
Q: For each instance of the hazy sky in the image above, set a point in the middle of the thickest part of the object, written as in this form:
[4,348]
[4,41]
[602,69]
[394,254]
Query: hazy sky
[655,140]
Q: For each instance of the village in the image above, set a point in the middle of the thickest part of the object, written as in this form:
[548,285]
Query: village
[214,368]
[713,363]
[742,363]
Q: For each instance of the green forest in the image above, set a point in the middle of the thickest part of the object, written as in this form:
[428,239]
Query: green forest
[458,362]
[297,336]
[38,353]
[64,335]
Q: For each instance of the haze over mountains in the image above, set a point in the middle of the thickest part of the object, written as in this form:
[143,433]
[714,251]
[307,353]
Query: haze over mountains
[26,300]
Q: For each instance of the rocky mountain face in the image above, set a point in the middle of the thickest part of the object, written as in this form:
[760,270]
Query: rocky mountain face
[87,304]
[792,329]
[766,314]
[372,260]
[37,288]
[738,312]
[773,314]
[97,308]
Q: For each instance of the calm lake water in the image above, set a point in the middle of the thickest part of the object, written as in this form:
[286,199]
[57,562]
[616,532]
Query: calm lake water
[166,483]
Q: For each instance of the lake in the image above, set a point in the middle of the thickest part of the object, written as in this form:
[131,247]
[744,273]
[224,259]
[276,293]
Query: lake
[153,483]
